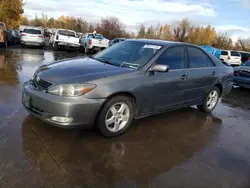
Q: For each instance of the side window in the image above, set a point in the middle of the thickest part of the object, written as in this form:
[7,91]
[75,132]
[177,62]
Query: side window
[198,58]
[224,52]
[174,57]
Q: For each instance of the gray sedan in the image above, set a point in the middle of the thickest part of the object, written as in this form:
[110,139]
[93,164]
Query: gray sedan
[130,80]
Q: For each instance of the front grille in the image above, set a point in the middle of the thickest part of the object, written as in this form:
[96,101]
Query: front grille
[244,73]
[42,84]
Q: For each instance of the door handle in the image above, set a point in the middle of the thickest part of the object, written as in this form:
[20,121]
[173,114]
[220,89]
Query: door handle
[214,73]
[184,77]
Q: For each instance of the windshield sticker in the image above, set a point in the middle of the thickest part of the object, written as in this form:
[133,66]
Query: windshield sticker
[152,46]
[130,65]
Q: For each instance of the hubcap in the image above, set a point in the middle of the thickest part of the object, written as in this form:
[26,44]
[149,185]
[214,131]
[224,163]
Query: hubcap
[212,99]
[117,117]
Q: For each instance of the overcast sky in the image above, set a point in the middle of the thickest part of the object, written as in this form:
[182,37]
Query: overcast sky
[232,16]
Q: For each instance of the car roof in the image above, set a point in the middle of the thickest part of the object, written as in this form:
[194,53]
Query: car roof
[65,30]
[120,38]
[244,52]
[160,42]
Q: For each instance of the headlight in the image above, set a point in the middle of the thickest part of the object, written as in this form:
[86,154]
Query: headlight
[71,90]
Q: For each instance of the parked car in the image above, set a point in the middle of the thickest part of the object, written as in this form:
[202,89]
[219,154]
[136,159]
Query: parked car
[91,42]
[63,38]
[242,75]
[130,80]
[116,40]
[232,57]
[22,27]
[32,37]
[245,56]
[5,35]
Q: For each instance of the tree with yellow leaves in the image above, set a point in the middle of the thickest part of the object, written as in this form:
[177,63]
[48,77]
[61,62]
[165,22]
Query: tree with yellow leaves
[11,12]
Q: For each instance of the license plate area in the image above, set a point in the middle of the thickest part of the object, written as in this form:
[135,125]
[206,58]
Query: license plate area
[26,100]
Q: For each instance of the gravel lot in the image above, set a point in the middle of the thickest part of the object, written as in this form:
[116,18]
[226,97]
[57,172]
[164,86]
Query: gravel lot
[184,148]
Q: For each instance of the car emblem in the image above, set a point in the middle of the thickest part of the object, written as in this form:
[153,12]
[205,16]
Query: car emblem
[37,78]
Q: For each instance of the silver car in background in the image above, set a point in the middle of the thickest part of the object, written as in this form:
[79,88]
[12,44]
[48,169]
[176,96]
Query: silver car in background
[32,37]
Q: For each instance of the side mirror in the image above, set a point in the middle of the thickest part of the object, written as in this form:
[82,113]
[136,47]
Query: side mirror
[160,68]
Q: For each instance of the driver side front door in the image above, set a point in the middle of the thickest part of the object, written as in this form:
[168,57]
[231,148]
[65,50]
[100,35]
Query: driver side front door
[166,90]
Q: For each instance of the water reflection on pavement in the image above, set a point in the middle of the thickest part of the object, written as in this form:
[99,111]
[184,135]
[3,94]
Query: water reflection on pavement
[184,148]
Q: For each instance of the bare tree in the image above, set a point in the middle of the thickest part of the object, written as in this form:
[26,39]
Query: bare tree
[223,41]
[111,27]
[245,44]
[180,30]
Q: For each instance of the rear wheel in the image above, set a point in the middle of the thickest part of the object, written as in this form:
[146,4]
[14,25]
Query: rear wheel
[115,116]
[210,101]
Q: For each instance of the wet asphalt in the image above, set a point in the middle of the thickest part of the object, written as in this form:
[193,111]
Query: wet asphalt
[183,148]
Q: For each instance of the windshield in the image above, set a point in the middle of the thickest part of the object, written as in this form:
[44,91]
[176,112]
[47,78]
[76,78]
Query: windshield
[130,54]
[32,31]
[66,33]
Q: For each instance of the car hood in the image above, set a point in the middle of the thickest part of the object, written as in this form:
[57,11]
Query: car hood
[77,70]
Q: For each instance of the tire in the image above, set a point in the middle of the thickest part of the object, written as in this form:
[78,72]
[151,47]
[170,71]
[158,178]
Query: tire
[208,104]
[110,111]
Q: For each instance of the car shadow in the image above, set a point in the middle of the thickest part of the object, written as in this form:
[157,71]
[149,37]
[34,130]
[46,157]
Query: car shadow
[151,147]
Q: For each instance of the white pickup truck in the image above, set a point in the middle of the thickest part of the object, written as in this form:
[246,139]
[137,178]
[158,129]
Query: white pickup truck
[93,42]
[63,38]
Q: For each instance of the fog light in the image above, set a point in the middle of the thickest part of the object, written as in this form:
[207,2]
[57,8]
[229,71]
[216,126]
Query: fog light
[61,119]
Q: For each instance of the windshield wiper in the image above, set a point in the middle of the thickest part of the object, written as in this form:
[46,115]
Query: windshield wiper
[106,61]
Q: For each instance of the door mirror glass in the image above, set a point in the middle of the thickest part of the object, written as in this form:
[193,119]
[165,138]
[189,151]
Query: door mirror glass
[160,68]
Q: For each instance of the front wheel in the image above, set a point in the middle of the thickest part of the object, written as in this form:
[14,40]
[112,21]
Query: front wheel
[115,116]
[210,101]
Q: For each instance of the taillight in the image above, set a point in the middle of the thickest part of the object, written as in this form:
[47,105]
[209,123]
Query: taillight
[90,42]
[228,58]
[21,35]
[233,73]
[41,36]
[249,58]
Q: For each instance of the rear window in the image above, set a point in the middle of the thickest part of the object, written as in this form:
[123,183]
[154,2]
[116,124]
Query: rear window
[32,31]
[224,52]
[235,54]
[66,33]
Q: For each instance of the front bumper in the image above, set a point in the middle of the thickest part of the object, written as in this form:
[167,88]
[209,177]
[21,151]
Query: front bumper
[32,43]
[43,105]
